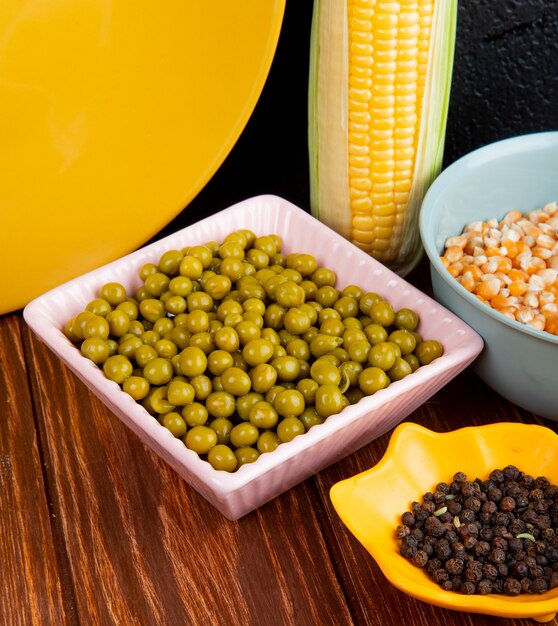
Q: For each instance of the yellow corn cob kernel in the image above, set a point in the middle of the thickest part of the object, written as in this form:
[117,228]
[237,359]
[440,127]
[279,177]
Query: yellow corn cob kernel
[367,110]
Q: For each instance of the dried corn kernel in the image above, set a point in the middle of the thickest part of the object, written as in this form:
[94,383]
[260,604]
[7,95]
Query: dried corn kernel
[511,265]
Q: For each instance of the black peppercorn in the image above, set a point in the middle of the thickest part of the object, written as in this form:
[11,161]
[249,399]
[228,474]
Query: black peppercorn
[539,585]
[482,548]
[497,556]
[473,571]
[402,531]
[512,587]
[440,575]
[511,472]
[489,571]
[468,587]
[408,519]
[507,503]
[455,566]
[434,527]
[494,494]
[408,549]
[452,537]
[454,507]
[429,506]
[503,569]
[497,476]
[420,558]
[499,543]
[520,570]
[442,549]
[484,586]
[498,535]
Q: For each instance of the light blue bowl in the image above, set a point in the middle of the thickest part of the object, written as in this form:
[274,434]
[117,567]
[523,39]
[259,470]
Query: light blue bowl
[518,362]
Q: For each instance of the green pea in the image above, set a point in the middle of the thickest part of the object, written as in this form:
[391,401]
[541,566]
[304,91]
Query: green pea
[412,361]
[399,370]
[193,361]
[382,313]
[137,387]
[289,428]
[328,400]
[152,309]
[202,386]
[158,371]
[222,426]
[428,350]
[310,418]
[257,351]
[191,267]
[246,454]
[220,404]
[263,415]
[226,338]
[382,355]
[289,403]
[297,321]
[244,434]
[222,458]
[406,319]
[263,377]
[287,368]
[175,423]
[98,306]
[322,344]
[156,284]
[95,349]
[114,293]
[96,326]
[118,322]
[375,333]
[268,441]
[236,381]
[218,361]
[180,393]
[156,401]
[169,262]
[325,372]
[117,368]
[372,379]
[202,253]
[195,414]
[200,439]
[404,339]
[128,344]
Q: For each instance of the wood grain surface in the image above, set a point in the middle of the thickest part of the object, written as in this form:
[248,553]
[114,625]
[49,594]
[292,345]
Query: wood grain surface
[96,530]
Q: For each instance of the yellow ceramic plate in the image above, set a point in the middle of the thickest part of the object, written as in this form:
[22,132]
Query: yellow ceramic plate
[371,503]
[113,116]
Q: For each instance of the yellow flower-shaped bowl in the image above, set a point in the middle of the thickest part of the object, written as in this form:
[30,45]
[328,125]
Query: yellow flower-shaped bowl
[371,503]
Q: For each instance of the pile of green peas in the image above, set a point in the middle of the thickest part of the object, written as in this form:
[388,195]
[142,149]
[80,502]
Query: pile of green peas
[236,347]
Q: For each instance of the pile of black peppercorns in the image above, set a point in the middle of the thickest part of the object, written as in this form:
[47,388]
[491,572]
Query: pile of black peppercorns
[486,536]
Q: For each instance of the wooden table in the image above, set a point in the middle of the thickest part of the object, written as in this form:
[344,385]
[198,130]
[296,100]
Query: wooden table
[96,530]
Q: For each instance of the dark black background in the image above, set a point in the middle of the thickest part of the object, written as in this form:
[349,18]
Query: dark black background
[505,83]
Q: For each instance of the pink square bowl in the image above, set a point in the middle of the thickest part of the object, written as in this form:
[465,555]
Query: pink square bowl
[236,494]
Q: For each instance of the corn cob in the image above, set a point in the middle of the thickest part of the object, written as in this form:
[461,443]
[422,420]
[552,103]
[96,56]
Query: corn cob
[380,76]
